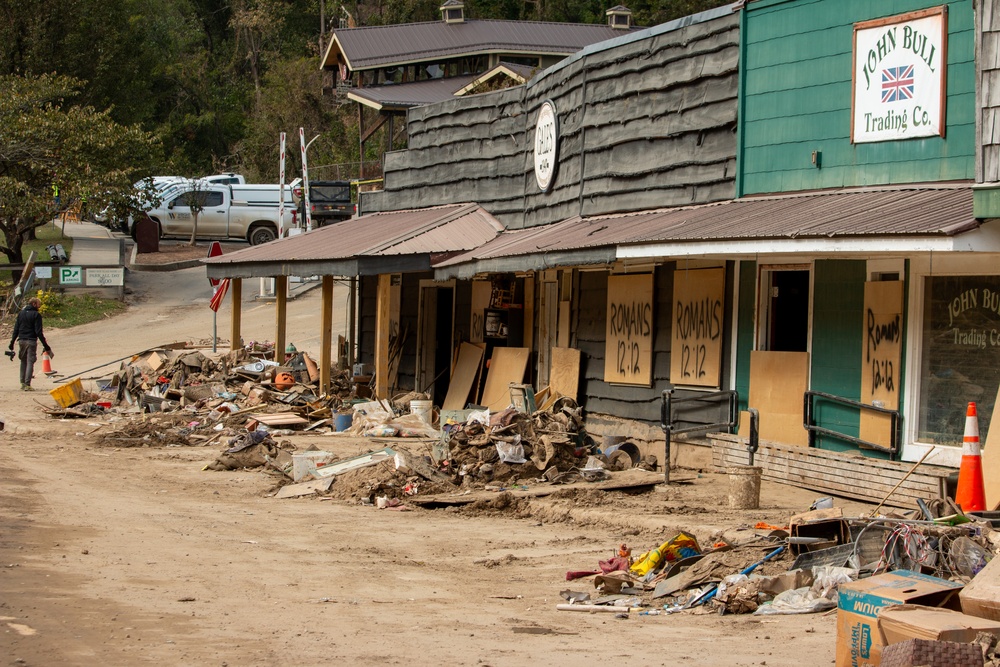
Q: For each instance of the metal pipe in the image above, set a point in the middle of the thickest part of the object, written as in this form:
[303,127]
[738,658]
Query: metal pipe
[665,423]
[754,443]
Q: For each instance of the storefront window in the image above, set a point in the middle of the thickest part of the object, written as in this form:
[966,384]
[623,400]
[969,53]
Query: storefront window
[960,357]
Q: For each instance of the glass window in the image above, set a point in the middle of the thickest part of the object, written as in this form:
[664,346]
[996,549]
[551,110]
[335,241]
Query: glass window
[960,355]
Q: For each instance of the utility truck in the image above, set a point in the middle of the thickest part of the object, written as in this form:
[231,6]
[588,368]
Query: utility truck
[243,211]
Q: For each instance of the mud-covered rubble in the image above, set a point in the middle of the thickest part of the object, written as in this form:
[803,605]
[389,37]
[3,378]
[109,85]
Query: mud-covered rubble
[184,396]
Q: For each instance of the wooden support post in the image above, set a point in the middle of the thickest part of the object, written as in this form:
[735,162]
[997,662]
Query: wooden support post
[326,336]
[280,317]
[382,307]
[236,287]
[352,320]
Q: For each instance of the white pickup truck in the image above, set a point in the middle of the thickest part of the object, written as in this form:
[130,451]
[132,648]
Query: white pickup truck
[240,211]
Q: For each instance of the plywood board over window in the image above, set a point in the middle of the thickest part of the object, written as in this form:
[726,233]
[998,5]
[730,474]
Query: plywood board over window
[881,357]
[628,355]
[778,382]
[696,331]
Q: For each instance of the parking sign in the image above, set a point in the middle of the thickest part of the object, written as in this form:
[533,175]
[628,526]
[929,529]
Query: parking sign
[70,275]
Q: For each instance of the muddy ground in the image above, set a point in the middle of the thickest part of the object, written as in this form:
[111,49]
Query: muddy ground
[133,556]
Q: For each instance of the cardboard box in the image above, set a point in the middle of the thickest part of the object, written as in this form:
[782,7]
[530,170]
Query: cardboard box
[981,596]
[859,643]
[914,621]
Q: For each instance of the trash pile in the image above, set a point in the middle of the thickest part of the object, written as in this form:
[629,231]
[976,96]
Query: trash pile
[927,576]
[185,396]
[473,450]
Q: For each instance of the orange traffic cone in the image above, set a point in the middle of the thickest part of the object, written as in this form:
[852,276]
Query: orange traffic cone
[971,495]
[47,365]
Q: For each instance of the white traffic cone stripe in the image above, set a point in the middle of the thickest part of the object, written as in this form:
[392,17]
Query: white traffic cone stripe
[970,445]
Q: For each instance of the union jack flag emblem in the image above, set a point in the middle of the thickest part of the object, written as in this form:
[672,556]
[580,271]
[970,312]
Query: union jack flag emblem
[897,84]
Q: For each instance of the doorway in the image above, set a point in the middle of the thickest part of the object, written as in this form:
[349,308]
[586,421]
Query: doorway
[784,309]
[436,332]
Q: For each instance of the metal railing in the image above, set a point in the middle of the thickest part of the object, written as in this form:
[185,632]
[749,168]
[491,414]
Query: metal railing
[669,424]
[895,423]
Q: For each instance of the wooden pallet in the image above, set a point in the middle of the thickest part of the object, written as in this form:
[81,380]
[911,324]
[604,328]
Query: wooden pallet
[855,477]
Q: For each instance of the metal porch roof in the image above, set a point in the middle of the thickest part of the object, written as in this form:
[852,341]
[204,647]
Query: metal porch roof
[918,211]
[405,239]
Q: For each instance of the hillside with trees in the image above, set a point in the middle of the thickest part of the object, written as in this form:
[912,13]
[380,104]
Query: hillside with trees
[213,82]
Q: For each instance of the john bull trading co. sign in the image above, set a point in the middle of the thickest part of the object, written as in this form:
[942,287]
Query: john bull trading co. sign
[899,76]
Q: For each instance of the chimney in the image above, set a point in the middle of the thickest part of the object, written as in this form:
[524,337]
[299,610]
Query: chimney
[619,17]
[453,11]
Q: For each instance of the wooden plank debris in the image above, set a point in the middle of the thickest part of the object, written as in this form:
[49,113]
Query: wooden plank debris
[470,361]
[564,376]
[633,480]
[304,488]
[506,365]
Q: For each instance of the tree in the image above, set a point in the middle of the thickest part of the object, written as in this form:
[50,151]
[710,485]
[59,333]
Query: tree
[45,140]
[195,200]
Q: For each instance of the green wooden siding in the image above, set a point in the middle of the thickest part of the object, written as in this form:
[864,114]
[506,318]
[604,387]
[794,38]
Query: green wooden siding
[745,329]
[796,99]
[837,345]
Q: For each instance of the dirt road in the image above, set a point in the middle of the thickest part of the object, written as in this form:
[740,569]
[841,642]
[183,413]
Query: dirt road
[139,556]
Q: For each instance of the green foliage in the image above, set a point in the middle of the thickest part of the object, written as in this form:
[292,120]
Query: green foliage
[62,310]
[216,80]
[48,142]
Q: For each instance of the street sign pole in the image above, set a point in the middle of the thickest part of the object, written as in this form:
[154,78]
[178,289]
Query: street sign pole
[214,250]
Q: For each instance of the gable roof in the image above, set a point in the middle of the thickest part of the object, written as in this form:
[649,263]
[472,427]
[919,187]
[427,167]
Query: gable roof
[371,47]
[400,96]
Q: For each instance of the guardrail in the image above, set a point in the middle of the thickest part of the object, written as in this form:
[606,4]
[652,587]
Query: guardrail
[809,422]
[668,422]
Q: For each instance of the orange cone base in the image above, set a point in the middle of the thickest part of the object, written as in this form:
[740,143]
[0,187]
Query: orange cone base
[971,495]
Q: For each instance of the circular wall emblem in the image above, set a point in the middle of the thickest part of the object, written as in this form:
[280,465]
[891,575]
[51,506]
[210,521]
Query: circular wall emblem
[546,145]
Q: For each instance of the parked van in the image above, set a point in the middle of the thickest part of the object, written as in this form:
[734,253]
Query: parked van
[248,212]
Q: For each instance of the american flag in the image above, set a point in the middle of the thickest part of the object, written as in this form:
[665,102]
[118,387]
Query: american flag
[897,83]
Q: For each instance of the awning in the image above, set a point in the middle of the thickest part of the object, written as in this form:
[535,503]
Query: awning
[869,220]
[397,241]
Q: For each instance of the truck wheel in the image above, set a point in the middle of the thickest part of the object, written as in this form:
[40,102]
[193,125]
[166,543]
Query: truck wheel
[261,234]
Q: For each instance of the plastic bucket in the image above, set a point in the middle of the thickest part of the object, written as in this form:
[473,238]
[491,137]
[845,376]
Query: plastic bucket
[424,410]
[343,421]
[744,487]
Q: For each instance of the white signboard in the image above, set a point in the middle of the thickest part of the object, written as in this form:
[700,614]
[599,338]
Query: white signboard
[43,272]
[546,145]
[106,277]
[70,275]
[899,76]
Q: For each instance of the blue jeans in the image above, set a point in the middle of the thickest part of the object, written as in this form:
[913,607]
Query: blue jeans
[27,353]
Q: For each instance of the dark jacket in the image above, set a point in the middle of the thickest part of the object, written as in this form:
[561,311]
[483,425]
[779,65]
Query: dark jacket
[28,328]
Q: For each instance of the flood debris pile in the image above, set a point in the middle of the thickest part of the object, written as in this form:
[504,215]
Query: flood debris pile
[901,583]
[178,395]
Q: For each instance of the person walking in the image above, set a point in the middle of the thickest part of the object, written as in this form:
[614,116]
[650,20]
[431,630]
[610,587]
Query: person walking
[27,333]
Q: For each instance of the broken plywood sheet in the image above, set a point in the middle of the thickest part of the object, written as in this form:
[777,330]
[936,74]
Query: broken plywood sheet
[507,365]
[564,375]
[778,381]
[281,419]
[304,488]
[470,360]
[629,479]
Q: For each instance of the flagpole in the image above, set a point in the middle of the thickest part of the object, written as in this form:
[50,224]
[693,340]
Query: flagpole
[215,318]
